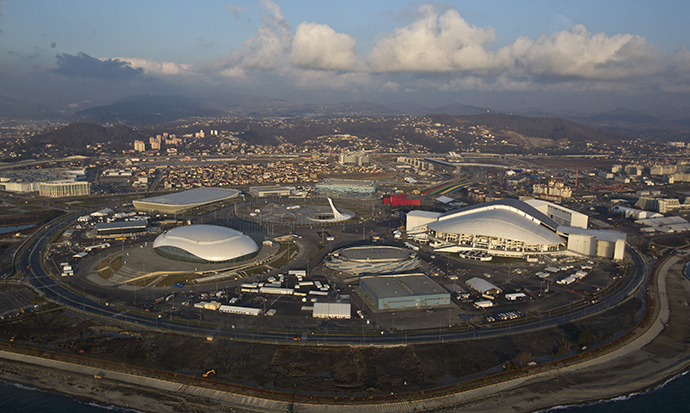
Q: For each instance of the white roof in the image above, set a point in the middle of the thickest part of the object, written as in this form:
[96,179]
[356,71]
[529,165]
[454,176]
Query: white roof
[680,227]
[192,197]
[444,199]
[103,212]
[653,222]
[497,221]
[208,242]
[481,285]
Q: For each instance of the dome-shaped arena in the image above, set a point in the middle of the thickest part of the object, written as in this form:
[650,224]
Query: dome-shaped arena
[205,244]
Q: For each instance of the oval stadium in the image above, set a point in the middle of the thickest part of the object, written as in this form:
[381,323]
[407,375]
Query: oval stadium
[205,244]
[373,260]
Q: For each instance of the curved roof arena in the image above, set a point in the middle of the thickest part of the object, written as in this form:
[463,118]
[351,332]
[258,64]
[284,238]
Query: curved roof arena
[507,219]
[205,243]
[181,201]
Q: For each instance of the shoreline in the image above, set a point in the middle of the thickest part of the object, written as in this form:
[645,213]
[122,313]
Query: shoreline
[619,398]
[572,385]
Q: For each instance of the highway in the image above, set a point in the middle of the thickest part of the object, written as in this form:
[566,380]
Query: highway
[29,262]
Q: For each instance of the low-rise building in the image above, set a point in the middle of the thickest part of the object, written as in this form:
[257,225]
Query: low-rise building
[404,291]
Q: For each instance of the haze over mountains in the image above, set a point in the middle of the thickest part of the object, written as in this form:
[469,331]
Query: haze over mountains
[661,124]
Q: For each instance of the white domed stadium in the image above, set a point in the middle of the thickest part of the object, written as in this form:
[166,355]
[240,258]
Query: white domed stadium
[205,244]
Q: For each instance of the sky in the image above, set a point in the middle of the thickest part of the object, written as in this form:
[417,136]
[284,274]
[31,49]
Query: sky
[571,55]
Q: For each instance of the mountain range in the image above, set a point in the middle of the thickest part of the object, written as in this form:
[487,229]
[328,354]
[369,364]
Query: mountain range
[662,124]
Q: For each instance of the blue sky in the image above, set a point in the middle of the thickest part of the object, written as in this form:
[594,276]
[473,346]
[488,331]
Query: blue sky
[575,55]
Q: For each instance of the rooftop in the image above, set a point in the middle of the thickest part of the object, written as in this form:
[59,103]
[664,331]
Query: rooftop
[141,223]
[192,197]
[387,286]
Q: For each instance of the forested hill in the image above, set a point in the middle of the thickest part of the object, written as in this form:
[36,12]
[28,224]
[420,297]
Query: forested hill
[80,134]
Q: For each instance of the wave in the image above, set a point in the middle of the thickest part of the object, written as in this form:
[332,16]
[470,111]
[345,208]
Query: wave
[112,408]
[23,387]
[617,398]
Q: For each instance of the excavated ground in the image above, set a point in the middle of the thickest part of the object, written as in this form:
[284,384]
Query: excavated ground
[304,368]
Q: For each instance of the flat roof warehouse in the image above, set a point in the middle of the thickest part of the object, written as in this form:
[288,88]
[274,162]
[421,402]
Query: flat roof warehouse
[404,291]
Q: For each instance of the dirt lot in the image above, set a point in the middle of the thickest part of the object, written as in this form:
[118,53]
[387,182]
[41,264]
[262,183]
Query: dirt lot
[305,369]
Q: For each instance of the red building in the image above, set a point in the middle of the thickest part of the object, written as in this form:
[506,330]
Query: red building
[400,199]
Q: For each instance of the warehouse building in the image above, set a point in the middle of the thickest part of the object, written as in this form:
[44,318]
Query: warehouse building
[181,201]
[266,191]
[404,291]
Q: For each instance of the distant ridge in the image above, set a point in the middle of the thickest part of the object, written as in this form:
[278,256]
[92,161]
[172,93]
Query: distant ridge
[78,135]
[456,109]
[144,109]
[669,125]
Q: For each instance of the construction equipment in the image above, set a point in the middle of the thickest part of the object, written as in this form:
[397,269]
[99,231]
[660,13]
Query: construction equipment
[210,372]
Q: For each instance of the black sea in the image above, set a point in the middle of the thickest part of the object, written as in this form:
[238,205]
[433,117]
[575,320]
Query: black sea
[16,398]
[671,397]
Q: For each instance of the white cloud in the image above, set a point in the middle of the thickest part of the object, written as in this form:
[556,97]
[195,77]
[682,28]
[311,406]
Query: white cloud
[446,43]
[151,66]
[318,46]
[677,76]
[235,11]
[390,86]
[268,48]
[581,54]
[313,79]
[438,50]
[434,43]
